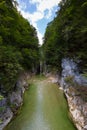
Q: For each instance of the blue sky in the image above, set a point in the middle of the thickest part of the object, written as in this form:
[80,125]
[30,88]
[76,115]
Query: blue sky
[39,13]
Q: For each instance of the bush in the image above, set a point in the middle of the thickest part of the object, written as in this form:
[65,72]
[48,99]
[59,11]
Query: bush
[70,80]
[9,67]
[1,97]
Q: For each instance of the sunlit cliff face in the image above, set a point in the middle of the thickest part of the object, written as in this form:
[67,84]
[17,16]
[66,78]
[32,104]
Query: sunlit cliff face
[70,69]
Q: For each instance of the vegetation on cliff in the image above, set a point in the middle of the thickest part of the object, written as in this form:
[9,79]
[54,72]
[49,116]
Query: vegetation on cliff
[66,35]
[18,45]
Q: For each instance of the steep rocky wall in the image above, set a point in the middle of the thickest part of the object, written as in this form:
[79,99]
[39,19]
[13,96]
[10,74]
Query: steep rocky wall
[77,108]
[14,100]
[71,79]
[70,69]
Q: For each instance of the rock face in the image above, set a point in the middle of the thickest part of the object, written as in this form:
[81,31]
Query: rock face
[77,108]
[70,69]
[5,117]
[15,100]
[71,80]
[16,97]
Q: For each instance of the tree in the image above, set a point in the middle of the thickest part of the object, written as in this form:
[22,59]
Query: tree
[65,36]
[18,45]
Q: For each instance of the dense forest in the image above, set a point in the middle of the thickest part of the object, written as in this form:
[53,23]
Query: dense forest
[66,35]
[18,45]
[21,56]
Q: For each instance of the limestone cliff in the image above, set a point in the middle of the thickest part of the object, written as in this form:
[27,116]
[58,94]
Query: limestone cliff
[77,108]
[13,101]
[75,89]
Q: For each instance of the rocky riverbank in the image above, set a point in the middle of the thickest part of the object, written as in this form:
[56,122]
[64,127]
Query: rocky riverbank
[77,107]
[13,101]
[75,89]
[77,102]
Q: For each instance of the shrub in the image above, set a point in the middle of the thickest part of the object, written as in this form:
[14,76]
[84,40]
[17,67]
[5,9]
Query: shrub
[70,80]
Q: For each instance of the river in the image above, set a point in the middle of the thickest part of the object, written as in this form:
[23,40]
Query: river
[44,108]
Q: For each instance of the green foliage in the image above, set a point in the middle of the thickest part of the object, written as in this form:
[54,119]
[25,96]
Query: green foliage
[30,57]
[84,74]
[1,41]
[18,45]
[0,121]
[2,109]
[66,35]
[9,66]
[1,97]
[70,80]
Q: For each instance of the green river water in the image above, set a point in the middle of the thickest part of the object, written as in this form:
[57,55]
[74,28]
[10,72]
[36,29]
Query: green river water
[44,108]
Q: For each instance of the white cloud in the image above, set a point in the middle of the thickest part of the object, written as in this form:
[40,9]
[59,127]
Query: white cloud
[36,16]
[35,1]
[47,4]
[41,7]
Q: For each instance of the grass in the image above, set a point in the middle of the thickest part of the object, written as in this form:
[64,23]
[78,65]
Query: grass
[2,108]
[69,80]
[1,97]
[0,121]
